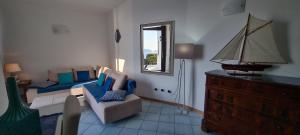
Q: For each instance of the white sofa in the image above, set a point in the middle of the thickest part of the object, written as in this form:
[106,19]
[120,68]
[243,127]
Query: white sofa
[116,110]
[113,111]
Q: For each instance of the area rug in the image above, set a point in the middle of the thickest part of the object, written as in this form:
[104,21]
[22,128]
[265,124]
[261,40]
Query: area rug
[48,124]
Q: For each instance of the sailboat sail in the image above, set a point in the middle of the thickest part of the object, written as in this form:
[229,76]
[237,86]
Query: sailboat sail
[232,50]
[257,46]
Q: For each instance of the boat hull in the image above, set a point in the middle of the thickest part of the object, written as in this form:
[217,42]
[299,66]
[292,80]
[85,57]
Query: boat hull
[246,68]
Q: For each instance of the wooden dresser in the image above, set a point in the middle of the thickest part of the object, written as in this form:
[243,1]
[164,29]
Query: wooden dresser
[256,105]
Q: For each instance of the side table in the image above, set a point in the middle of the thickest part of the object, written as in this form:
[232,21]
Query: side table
[23,85]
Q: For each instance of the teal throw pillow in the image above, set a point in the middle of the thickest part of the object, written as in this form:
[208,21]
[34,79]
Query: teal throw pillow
[101,79]
[65,78]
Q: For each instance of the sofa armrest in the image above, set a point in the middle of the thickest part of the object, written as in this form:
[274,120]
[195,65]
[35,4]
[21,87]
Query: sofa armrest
[130,86]
[31,94]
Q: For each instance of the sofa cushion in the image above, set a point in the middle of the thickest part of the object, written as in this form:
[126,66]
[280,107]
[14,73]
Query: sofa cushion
[120,80]
[108,84]
[65,78]
[84,68]
[101,79]
[83,76]
[52,74]
[59,87]
[116,95]
[43,84]
[95,90]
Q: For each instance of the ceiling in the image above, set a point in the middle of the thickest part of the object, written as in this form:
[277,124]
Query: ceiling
[87,5]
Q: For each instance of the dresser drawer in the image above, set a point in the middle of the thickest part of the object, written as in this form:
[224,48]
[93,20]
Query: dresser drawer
[288,111]
[218,110]
[240,100]
[215,106]
[226,83]
[216,94]
[262,90]
[245,115]
[241,128]
[290,93]
[266,107]
[260,105]
[213,81]
[282,128]
[267,125]
[214,117]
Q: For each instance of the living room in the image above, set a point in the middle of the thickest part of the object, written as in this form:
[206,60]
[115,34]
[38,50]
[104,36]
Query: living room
[42,36]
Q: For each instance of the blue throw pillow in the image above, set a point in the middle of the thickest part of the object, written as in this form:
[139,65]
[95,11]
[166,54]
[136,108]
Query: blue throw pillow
[65,78]
[108,84]
[130,87]
[101,79]
[83,76]
[115,95]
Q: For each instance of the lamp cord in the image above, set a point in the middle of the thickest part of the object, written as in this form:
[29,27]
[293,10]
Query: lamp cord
[179,82]
[183,61]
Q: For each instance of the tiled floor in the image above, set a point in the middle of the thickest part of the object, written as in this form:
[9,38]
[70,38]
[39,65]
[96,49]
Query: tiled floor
[156,119]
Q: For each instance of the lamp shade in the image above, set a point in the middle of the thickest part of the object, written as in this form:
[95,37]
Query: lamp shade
[184,51]
[12,68]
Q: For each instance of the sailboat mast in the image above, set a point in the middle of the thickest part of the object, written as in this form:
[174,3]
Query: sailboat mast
[245,38]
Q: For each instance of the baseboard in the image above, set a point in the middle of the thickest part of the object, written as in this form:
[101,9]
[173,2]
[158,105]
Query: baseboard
[201,113]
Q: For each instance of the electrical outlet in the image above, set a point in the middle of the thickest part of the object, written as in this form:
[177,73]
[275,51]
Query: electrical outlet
[155,89]
[162,90]
[169,91]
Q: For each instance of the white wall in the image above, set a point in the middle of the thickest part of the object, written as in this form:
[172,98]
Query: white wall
[201,22]
[124,50]
[130,15]
[208,28]
[145,11]
[111,38]
[3,94]
[29,39]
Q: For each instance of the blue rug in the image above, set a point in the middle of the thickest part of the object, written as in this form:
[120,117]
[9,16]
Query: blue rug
[48,124]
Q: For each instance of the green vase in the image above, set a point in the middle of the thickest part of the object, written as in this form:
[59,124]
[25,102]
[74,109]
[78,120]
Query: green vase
[18,118]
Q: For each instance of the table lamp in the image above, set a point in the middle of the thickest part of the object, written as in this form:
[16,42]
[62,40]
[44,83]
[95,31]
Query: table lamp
[12,69]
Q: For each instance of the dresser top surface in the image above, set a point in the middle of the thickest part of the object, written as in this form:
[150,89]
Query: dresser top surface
[262,78]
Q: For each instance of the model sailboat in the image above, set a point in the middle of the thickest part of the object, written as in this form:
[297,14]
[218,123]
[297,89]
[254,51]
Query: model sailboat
[252,49]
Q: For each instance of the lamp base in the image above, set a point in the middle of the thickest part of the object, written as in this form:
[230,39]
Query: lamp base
[184,112]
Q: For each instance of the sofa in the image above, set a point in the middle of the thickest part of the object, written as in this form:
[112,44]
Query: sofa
[49,100]
[52,86]
[113,111]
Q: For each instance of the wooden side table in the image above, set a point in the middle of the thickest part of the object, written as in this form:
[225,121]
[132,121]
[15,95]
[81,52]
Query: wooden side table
[23,85]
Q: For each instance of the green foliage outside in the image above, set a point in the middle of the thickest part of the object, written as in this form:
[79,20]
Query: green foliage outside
[151,59]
